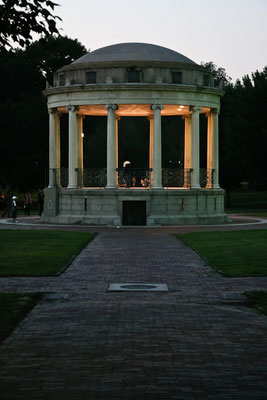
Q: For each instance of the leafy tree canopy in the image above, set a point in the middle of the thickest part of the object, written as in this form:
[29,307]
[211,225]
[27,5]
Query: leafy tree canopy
[50,53]
[24,122]
[219,73]
[19,19]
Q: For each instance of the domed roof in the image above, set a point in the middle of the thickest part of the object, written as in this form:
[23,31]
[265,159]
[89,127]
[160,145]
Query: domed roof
[133,52]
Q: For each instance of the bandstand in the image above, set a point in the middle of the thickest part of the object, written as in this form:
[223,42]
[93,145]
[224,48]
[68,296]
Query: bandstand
[134,79]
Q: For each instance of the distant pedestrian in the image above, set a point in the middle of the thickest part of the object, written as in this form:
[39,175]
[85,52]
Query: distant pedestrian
[8,205]
[14,209]
[27,203]
[2,203]
[40,201]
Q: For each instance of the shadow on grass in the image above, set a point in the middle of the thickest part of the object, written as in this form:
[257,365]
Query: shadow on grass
[13,308]
[257,300]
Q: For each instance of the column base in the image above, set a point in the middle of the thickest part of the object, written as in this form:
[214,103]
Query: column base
[72,187]
[111,186]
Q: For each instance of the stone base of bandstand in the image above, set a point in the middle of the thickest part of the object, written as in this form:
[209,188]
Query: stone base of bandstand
[105,206]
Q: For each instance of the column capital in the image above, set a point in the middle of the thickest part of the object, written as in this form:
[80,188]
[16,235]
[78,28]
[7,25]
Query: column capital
[157,107]
[187,116]
[52,110]
[112,106]
[215,110]
[195,108]
[73,108]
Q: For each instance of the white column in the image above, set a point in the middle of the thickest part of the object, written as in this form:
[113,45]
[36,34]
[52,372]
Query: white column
[58,150]
[195,147]
[117,145]
[209,150]
[80,119]
[187,149]
[157,161]
[151,124]
[111,146]
[73,147]
[213,146]
[52,146]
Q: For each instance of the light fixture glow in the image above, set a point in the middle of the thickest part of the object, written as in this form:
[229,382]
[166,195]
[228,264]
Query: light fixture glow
[82,134]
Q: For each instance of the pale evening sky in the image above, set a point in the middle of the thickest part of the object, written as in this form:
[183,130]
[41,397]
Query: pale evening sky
[231,33]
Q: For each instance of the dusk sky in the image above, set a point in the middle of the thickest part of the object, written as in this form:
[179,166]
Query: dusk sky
[231,33]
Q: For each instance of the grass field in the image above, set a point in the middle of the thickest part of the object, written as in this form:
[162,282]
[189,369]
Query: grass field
[38,253]
[237,253]
[32,253]
[245,202]
[258,300]
[13,308]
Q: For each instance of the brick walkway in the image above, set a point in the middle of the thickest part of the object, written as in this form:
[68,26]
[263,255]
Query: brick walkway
[197,341]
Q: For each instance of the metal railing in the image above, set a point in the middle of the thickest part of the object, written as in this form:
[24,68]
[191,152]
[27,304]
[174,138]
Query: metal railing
[176,177]
[134,177]
[92,177]
[206,178]
[58,177]
[131,177]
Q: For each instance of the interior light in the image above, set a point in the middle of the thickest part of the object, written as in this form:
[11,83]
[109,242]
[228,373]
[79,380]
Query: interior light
[82,134]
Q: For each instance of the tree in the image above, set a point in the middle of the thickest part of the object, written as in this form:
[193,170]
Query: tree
[220,76]
[243,132]
[50,53]
[24,121]
[19,19]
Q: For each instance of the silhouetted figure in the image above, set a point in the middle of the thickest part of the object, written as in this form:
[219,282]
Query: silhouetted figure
[14,209]
[8,205]
[127,173]
[40,201]
[27,203]
[2,204]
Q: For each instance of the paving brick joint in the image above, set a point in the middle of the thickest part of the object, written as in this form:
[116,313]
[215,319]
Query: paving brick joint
[198,340]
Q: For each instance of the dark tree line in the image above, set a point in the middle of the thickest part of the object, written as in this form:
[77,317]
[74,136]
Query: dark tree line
[23,109]
[243,133]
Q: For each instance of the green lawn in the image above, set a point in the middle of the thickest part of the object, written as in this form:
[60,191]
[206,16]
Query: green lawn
[258,300]
[238,253]
[253,203]
[13,308]
[38,253]
[235,254]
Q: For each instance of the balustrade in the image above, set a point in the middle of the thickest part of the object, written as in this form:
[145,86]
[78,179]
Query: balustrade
[133,177]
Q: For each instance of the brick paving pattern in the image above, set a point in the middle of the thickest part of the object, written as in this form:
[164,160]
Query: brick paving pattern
[196,341]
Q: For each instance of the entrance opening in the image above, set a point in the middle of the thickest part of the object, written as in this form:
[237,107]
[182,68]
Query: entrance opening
[134,213]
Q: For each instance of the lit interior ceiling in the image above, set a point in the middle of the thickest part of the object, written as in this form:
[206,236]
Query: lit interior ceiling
[133,110]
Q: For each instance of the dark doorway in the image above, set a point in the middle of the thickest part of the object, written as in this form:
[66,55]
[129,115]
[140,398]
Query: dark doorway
[134,213]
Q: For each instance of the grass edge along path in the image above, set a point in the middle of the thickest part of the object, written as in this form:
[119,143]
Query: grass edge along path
[13,308]
[257,300]
[39,253]
[232,253]
[227,253]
